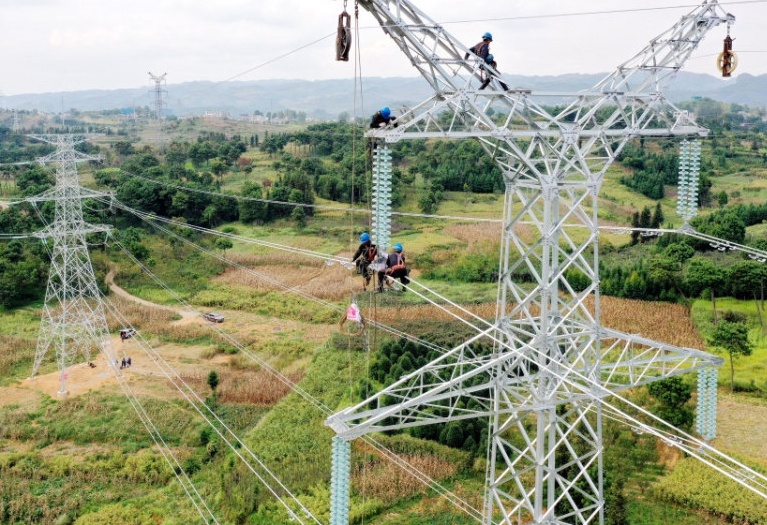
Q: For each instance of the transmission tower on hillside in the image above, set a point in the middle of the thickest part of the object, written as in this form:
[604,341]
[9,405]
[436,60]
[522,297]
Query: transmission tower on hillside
[74,318]
[544,371]
[159,92]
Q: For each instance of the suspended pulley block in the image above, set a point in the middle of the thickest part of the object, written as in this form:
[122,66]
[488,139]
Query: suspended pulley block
[344,37]
[727,60]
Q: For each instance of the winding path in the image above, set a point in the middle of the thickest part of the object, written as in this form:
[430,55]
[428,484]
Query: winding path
[110,281]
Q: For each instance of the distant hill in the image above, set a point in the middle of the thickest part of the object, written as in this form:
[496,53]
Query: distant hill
[327,99]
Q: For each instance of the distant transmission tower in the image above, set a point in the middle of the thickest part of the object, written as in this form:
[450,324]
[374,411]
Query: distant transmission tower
[73,318]
[15,128]
[159,91]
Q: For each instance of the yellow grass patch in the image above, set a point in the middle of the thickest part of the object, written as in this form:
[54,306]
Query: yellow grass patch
[260,388]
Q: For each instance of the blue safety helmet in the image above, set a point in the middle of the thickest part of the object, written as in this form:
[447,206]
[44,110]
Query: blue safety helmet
[489,58]
[398,247]
[365,237]
[385,112]
[488,36]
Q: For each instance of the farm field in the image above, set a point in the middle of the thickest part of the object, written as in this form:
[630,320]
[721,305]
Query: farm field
[291,345]
[245,400]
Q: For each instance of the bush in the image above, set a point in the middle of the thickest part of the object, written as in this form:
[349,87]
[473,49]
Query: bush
[697,486]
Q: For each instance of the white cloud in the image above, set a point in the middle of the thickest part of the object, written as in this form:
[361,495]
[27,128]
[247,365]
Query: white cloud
[53,45]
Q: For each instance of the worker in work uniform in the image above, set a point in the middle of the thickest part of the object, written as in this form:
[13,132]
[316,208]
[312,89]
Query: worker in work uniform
[366,253]
[395,268]
[481,49]
[490,74]
[382,118]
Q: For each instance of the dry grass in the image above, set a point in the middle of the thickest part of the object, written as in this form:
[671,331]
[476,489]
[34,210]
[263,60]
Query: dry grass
[272,258]
[140,315]
[475,233]
[259,388]
[421,312]
[487,232]
[664,322]
[741,426]
[385,481]
[14,350]
[332,283]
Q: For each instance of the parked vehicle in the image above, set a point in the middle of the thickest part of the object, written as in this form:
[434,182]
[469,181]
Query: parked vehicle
[127,333]
[213,317]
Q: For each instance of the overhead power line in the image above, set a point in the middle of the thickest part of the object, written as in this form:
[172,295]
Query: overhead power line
[593,13]
[303,204]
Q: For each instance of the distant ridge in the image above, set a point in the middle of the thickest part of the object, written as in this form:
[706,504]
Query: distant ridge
[327,99]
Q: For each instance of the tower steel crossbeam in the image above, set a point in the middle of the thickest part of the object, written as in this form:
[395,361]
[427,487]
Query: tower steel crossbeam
[73,319]
[544,370]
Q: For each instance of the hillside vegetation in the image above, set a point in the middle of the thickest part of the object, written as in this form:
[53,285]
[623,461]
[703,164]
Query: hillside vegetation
[89,460]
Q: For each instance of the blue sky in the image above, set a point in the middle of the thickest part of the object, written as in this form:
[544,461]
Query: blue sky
[67,45]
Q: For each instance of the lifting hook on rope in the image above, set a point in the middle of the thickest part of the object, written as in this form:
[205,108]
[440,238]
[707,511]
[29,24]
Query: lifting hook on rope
[344,37]
[727,60]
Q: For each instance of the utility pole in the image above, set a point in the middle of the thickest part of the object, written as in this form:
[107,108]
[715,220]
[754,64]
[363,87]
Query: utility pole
[159,91]
[74,318]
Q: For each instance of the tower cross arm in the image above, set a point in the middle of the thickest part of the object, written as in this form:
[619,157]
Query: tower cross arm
[68,156]
[665,54]
[65,148]
[437,55]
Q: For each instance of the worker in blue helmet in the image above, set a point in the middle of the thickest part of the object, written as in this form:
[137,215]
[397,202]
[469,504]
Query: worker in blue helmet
[395,268]
[382,118]
[366,253]
[491,72]
[482,48]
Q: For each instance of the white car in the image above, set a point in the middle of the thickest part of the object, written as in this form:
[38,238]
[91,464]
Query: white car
[127,333]
[213,317]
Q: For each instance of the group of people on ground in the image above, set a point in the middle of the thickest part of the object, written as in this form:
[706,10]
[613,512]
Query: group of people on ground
[393,267]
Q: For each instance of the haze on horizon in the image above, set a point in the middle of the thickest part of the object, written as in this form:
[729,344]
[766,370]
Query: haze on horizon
[67,45]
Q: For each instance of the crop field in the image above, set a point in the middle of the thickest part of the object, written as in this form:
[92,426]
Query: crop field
[279,364]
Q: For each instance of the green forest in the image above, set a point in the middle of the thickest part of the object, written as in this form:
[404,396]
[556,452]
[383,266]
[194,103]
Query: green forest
[87,460]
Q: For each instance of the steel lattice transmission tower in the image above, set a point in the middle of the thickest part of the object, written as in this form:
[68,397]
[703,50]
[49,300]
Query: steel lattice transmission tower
[74,318]
[544,371]
[159,92]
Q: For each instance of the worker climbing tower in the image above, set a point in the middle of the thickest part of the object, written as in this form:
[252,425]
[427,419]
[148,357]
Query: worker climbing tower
[543,371]
[73,319]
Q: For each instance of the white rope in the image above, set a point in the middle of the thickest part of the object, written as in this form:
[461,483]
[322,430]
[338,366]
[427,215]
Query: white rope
[305,205]
[148,218]
[227,435]
[433,484]
[186,483]
[596,391]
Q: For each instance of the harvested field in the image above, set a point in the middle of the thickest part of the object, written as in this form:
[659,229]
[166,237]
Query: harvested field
[259,388]
[332,283]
